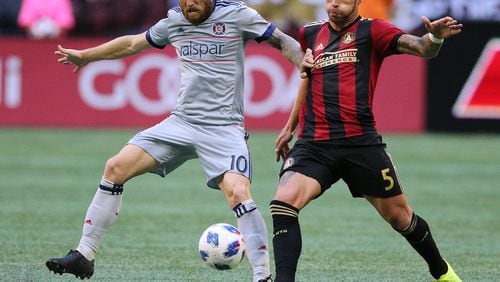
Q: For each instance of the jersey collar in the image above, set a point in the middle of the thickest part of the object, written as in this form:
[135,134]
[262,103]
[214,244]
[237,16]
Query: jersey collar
[345,27]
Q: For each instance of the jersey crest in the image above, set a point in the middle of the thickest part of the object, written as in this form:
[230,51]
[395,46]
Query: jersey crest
[219,28]
[348,37]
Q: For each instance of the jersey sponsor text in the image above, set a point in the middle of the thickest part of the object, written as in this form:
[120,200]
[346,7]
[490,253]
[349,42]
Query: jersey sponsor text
[195,49]
[333,58]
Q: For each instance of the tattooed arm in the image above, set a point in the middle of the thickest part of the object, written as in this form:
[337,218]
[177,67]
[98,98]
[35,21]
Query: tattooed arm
[426,46]
[288,46]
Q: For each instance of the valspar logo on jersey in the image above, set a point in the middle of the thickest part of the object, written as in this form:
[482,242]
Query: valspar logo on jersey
[126,88]
[194,49]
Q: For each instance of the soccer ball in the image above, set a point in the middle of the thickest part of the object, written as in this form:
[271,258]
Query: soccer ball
[221,246]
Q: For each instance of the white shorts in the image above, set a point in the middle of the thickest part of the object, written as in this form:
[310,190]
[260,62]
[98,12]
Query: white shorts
[219,148]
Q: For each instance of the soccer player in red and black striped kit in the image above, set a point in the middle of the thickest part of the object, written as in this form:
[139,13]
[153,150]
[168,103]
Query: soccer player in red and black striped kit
[337,138]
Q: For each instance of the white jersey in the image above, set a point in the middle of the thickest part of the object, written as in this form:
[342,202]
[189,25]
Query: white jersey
[211,57]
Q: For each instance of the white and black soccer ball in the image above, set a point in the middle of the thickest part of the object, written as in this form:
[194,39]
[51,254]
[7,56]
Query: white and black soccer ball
[221,246]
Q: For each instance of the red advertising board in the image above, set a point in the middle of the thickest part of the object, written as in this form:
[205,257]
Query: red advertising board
[139,91]
[480,96]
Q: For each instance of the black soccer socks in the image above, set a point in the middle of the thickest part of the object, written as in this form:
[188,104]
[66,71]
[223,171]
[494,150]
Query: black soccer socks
[287,240]
[418,234]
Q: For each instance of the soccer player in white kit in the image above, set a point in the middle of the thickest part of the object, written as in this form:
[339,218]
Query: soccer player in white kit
[207,123]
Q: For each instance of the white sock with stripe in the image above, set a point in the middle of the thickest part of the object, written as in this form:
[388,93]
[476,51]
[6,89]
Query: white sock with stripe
[101,214]
[254,230]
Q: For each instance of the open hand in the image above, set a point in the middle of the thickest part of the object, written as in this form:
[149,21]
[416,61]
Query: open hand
[281,144]
[442,28]
[71,57]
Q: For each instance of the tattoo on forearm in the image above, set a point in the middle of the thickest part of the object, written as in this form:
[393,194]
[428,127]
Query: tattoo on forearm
[432,48]
[419,46]
[288,46]
[410,43]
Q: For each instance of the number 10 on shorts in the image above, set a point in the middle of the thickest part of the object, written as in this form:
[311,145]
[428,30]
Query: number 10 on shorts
[239,163]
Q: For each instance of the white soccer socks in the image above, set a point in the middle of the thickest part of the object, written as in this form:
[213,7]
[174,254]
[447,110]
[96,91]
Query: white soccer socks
[101,214]
[254,230]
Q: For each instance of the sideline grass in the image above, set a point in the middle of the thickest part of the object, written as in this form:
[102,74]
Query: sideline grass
[48,177]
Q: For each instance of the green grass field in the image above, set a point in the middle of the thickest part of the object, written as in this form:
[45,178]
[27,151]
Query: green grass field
[48,178]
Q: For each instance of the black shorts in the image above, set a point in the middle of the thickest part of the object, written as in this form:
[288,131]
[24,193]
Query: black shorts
[367,170]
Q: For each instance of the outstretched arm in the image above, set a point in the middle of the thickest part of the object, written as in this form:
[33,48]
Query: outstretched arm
[117,48]
[286,134]
[289,47]
[428,45]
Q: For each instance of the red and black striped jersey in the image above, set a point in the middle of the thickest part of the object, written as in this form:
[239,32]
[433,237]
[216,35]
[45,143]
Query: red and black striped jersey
[342,82]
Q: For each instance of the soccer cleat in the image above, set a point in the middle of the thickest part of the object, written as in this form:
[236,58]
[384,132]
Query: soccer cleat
[449,276]
[74,262]
[267,279]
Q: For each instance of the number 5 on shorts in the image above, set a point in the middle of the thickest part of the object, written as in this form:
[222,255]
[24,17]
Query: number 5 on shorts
[387,177]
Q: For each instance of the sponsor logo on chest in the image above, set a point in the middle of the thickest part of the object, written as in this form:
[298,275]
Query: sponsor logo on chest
[327,59]
[204,46]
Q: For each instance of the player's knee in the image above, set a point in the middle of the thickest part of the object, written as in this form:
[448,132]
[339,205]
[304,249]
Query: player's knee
[114,171]
[240,194]
[418,230]
[399,218]
[236,188]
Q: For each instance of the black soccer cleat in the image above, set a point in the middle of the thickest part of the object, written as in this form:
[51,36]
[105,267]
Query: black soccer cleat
[267,279]
[74,263]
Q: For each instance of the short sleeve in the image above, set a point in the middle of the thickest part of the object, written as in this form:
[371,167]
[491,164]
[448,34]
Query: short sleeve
[301,39]
[157,35]
[385,36]
[253,25]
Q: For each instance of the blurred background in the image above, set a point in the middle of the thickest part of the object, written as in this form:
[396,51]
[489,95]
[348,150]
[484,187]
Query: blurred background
[440,117]
[457,91]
